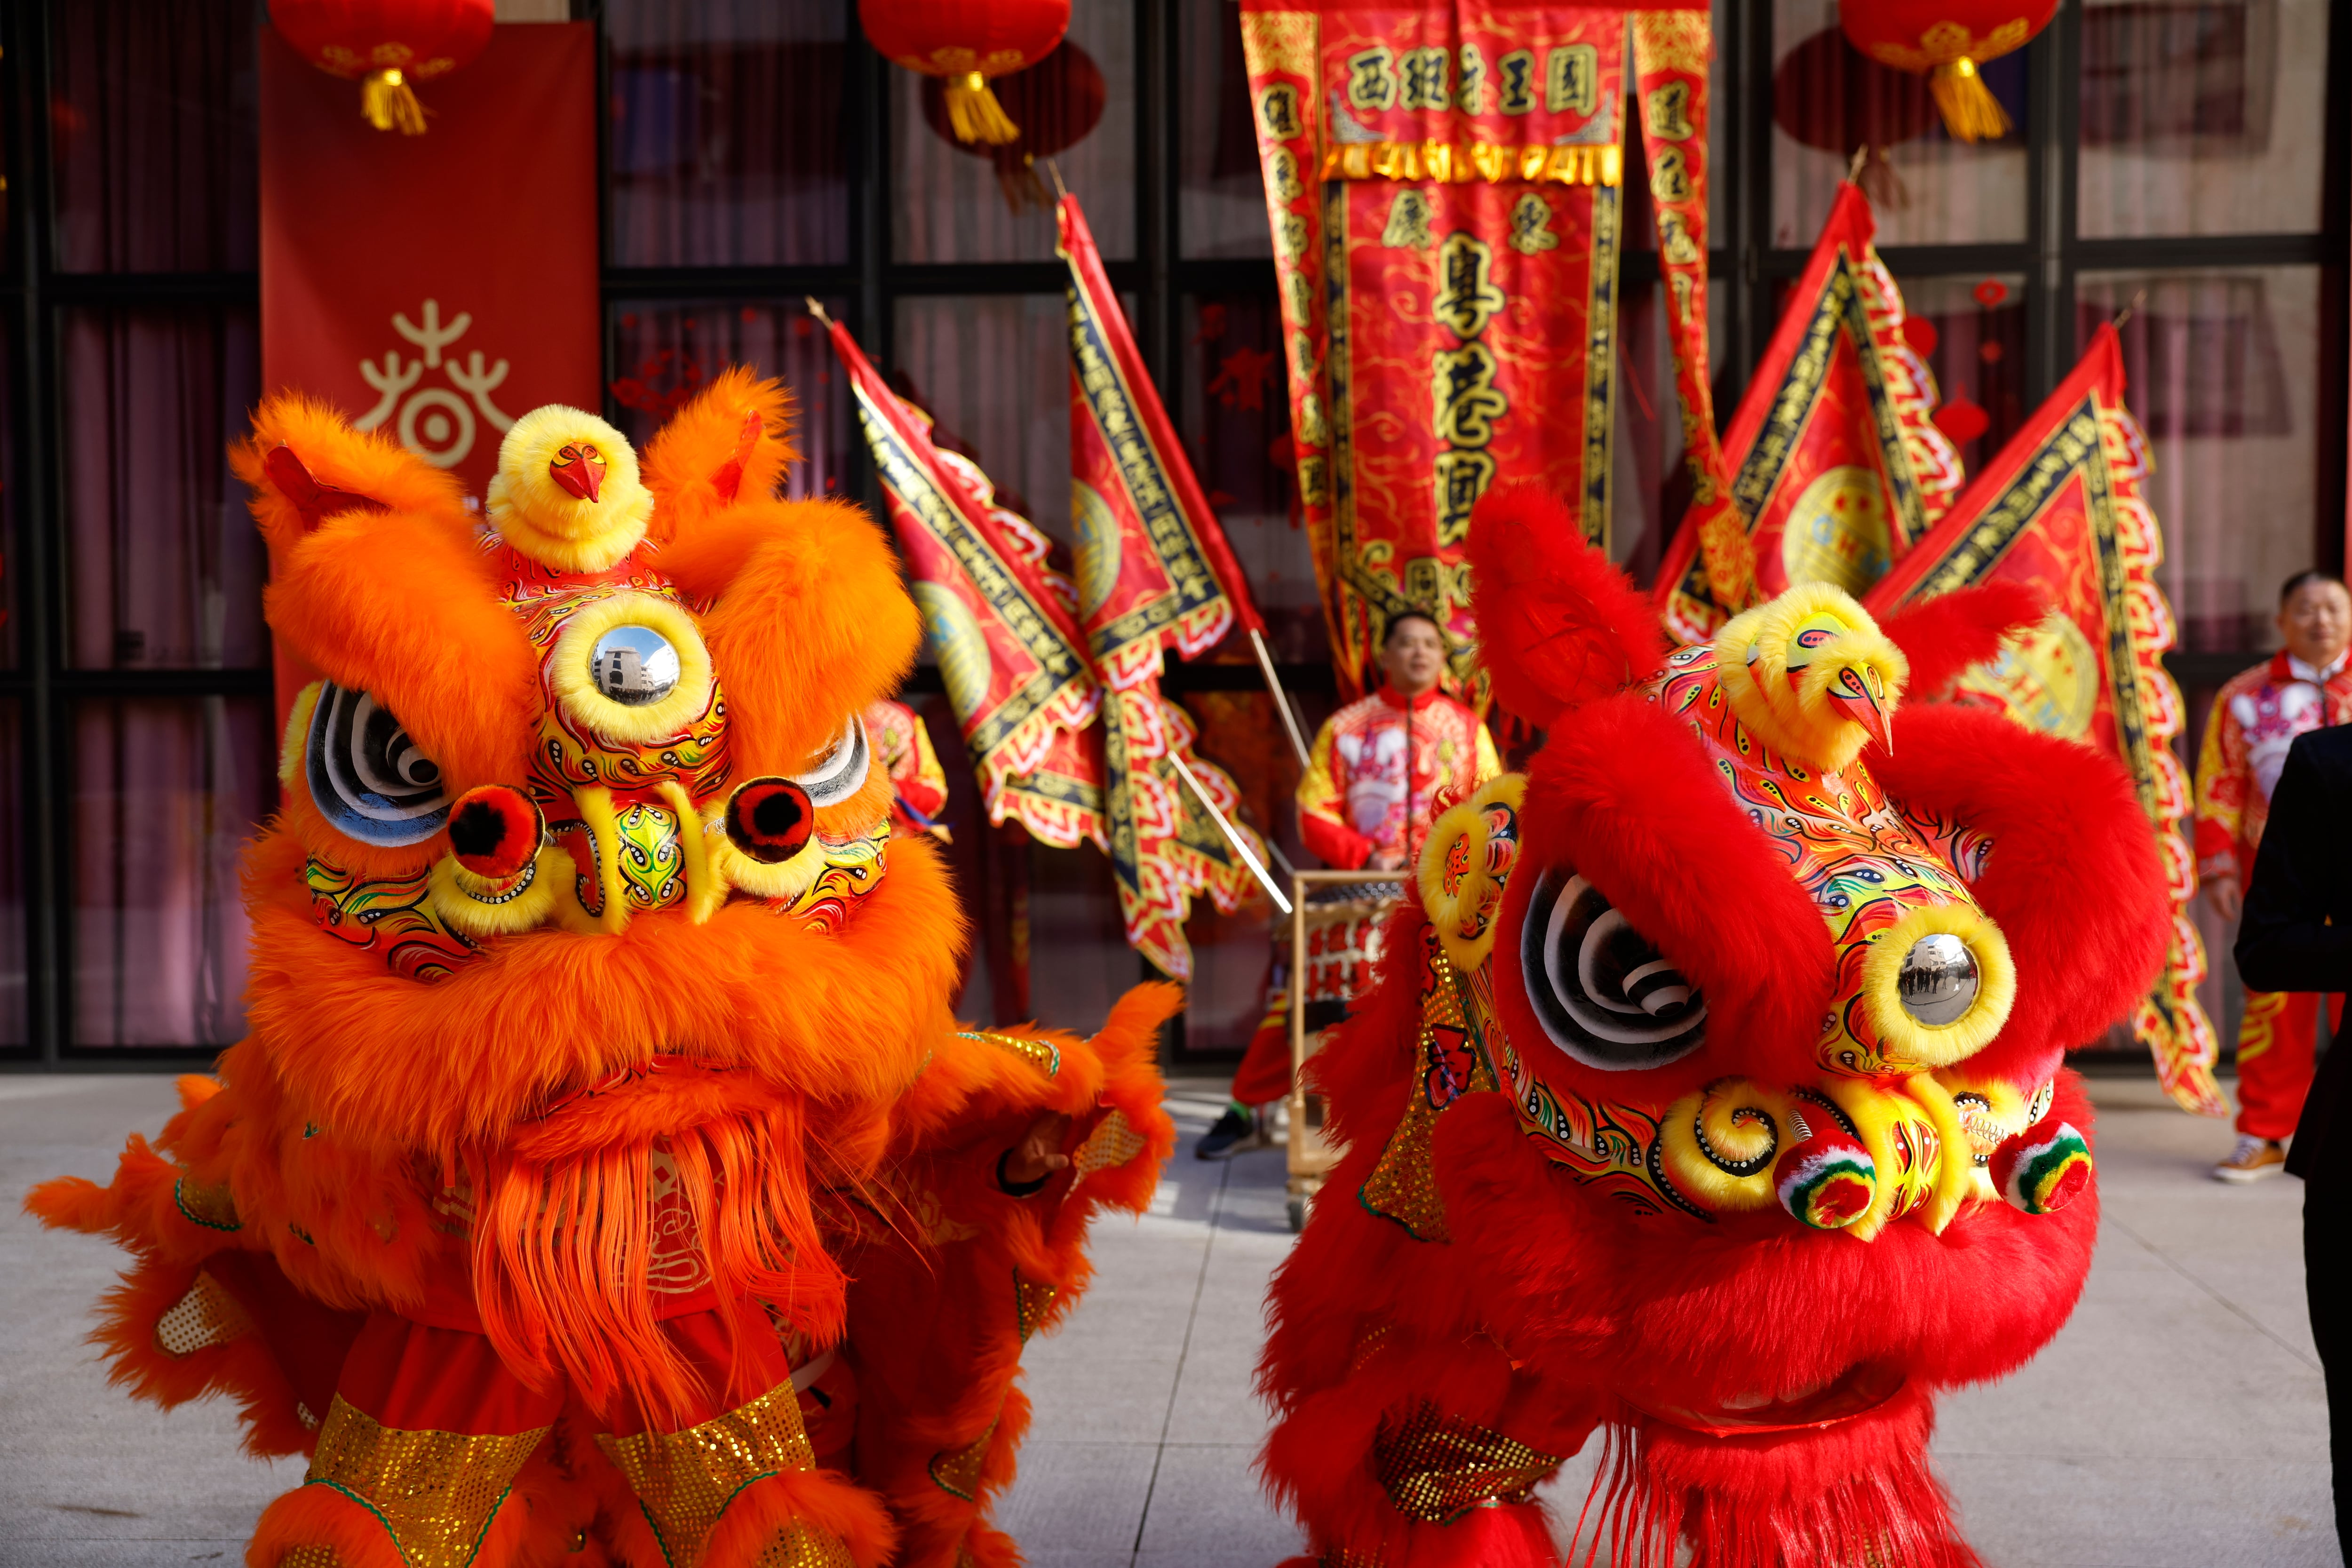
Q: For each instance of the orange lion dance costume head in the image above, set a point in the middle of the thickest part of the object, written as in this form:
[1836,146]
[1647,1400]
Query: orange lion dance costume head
[604,1173]
[1712,1098]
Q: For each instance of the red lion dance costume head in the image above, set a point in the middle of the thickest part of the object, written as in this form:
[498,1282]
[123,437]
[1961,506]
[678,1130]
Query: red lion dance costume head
[1712,1098]
[604,1178]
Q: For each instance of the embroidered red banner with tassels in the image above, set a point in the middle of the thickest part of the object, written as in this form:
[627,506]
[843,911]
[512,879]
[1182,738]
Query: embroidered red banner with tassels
[2060,511]
[1153,573]
[1004,632]
[1836,460]
[1444,183]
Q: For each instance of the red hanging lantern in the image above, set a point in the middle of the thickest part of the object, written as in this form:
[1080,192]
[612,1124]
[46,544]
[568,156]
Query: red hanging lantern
[1946,41]
[1054,102]
[387,46]
[965,43]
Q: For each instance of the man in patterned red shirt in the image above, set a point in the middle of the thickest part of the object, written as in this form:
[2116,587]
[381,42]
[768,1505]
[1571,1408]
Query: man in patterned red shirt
[2256,717]
[1370,792]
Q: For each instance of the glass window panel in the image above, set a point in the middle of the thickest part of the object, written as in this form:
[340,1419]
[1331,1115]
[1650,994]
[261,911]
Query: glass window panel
[1828,98]
[11,575]
[993,372]
[1235,425]
[1972,331]
[726,136]
[1077,946]
[665,351]
[165,564]
[953,203]
[2202,116]
[2224,374]
[164,793]
[154,135]
[15,1023]
[1223,196]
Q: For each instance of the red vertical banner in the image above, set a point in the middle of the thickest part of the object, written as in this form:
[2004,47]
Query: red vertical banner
[434,287]
[1442,181]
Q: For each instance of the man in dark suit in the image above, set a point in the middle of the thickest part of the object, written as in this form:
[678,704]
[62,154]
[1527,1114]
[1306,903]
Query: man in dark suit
[2297,935]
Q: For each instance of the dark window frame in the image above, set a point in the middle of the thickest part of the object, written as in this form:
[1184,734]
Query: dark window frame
[35,297]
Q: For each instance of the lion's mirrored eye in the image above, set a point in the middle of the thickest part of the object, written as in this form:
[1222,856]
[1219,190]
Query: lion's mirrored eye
[841,772]
[366,776]
[1938,981]
[633,666]
[1603,993]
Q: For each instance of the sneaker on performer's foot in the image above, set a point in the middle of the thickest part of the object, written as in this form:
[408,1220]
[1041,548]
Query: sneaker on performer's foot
[1236,1133]
[2253,1159]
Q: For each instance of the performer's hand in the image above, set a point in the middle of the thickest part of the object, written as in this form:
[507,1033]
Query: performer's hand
[1038,1155]
[1386,860]
[2223,894]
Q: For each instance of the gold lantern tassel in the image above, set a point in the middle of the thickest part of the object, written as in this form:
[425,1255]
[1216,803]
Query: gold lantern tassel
[1971,112]
[389,103]
[974,112]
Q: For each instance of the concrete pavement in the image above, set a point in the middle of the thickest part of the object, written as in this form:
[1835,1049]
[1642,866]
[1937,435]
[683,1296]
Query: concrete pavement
[2177,1423]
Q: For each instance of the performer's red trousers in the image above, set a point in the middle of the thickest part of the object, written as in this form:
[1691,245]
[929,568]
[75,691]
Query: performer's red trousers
[2276,1040]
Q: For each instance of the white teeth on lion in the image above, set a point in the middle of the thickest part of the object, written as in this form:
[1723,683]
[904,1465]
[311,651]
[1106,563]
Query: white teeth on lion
[1750,1400]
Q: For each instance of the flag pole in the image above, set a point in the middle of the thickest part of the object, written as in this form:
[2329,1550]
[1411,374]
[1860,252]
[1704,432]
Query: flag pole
[1281,703]
[1233,837]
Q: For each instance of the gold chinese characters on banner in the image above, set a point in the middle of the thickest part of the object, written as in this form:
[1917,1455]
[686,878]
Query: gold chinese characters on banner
[1444,183]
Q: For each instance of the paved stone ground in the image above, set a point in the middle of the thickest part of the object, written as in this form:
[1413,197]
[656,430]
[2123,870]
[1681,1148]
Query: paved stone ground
[2177,1423]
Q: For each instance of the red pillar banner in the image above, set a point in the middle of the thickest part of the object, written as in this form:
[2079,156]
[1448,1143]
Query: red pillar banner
[434,287]
[2060,509]
[1443,180]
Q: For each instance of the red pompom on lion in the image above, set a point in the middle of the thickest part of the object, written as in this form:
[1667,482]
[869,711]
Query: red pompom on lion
[604,1178]
[1711,1103]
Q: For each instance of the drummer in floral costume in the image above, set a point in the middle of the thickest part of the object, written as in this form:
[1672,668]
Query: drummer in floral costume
[1382,767]
[2306,686]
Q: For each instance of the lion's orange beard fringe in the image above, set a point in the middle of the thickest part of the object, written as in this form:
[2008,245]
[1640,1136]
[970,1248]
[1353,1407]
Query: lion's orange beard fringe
[564,1246]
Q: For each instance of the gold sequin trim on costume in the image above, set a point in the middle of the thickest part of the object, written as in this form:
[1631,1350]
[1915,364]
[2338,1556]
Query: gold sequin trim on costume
[1043,1055]
[208,1206]
[686,1479]
[801,1546]
[435,1492]
[1114,1142]
[207,1316]
[1453,1063]
[308,1557]
[1436,1468]
[958,1473]
[1031,1302]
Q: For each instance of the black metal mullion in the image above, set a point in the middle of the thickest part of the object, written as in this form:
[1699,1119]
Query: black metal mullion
[1156,193]
[1747,201]
[2332,519]
[2053,97]
[865,112]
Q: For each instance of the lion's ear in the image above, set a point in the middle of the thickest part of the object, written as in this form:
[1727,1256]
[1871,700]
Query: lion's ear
[1558,625]
[807,618]
[305,464]
[732,444]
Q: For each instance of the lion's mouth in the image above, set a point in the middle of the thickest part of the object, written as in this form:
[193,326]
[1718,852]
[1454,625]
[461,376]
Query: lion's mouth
[1854,1392]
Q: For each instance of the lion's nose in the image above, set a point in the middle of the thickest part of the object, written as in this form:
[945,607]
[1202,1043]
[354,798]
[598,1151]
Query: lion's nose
[1939,980]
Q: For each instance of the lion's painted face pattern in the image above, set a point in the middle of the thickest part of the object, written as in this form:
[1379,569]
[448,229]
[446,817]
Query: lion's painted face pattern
[1889,1121]
[630,782]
